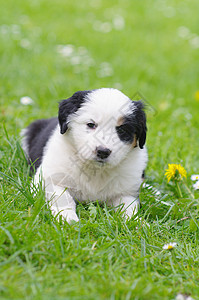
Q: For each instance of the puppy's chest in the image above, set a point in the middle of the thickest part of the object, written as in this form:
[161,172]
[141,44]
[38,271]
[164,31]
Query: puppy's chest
[101,188]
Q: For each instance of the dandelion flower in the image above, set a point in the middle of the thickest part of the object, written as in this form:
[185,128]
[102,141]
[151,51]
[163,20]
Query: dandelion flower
[197,95]
[194,177]
[175,171]
[169,246]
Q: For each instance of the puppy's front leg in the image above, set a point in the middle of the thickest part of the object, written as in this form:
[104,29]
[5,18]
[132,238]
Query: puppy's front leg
[130,205]
[61,202]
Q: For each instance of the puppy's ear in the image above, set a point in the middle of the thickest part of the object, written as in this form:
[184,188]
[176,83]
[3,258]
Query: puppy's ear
[141,128]
[68,107]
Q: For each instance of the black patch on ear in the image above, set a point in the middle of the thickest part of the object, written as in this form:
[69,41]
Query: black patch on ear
[134,125]
[141,127]
[70,106]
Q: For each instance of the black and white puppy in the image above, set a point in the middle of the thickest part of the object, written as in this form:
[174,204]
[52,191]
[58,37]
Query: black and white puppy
[93,151]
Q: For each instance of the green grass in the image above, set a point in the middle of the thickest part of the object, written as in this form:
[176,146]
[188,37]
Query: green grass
[102,257]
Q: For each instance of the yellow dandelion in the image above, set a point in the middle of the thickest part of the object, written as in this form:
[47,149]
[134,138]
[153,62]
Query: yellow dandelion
[175,171]
[197,95]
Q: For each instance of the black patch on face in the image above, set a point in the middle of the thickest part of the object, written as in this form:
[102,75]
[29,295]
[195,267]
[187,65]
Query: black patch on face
[70,106]
[134,125]
[126,131]
[37,135]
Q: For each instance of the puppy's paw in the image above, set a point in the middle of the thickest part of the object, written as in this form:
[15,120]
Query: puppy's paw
[72,217]
[68,215]
[130,212]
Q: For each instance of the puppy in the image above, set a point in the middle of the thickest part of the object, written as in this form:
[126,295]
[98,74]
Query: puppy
[93,151]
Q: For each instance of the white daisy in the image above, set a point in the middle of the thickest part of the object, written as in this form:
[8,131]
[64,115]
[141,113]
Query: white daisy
[104,27]
[180,297]
[66,50]
[194,42]
[105,70]
[196,185]
[169,246]
[183,32]
[183,297]
[26,100]
[194,177]
[25,43]
[118,22]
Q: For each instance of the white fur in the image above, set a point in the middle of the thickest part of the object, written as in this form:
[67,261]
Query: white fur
[69,168]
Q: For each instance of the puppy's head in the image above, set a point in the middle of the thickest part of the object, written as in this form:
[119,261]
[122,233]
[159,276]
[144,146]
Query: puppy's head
[104,125]
[68,107]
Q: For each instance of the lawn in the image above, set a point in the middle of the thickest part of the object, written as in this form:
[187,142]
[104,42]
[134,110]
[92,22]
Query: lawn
[149,50]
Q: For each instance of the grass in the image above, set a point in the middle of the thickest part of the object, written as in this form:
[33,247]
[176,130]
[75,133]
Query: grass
[153,50]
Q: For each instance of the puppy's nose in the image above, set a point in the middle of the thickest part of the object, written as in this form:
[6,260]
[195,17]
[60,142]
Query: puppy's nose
[103,152]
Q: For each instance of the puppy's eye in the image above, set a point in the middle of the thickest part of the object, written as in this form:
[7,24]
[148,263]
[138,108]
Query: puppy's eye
[92,125]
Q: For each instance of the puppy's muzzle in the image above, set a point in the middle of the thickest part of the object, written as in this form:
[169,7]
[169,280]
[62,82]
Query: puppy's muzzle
[102,153]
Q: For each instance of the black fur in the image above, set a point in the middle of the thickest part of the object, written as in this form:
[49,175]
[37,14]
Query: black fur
[36,136]
[134,125]
[70,106]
